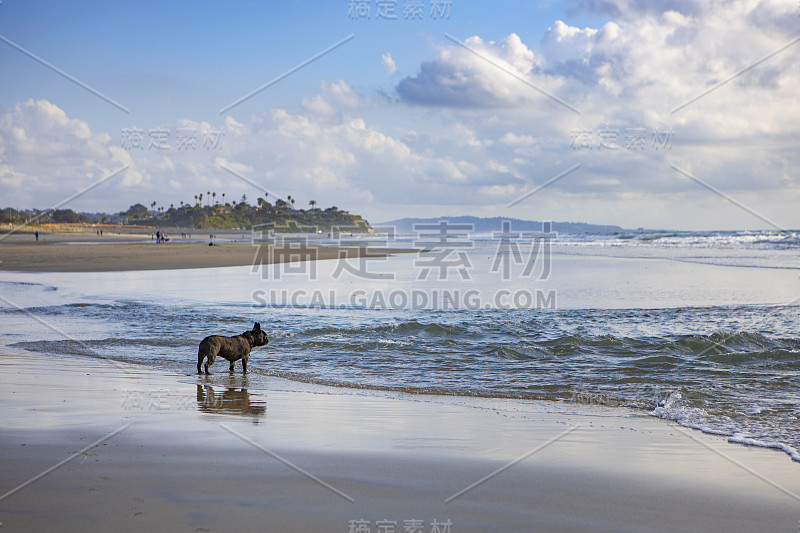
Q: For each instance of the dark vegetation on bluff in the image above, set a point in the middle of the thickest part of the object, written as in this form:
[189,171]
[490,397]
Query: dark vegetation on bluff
[206,212]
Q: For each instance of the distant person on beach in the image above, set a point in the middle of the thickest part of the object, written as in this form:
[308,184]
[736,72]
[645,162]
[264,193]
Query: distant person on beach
[36,233]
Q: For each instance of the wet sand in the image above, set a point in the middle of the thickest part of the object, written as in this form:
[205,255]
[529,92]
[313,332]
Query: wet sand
[169,452]
[88,253]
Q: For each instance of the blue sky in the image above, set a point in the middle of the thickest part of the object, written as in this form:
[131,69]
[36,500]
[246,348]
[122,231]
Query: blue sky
[401,120]
[170,60]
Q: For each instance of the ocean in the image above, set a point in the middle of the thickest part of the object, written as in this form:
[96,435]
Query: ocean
[701,328]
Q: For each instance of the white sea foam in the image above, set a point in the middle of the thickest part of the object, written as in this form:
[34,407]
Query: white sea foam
[675,408]
[739,438]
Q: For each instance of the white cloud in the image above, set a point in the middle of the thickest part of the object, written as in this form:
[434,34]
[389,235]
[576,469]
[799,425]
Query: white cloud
[334,98]
[512,139]
[47,156]
[462,77]
[388,63]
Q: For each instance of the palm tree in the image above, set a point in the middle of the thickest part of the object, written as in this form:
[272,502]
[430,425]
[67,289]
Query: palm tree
[201,198]
[195,199]
[223,198]
[208,198]
[313,204]
[215,197]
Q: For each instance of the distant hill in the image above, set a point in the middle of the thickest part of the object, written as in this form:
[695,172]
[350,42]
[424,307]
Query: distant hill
[242,215]
[489,225]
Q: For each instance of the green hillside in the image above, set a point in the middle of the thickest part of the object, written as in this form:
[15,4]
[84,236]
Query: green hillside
[243,215]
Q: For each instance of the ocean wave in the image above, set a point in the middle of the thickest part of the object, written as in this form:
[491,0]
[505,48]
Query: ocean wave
[770,240]
[410,327]
[720,380]
[27,284]
[93,347]
[726,342]
[515,353]
[778,358]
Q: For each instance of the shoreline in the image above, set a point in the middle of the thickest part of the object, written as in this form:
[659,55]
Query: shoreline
[192,455]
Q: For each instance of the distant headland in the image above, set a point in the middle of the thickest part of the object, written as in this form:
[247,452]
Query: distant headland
[495,224]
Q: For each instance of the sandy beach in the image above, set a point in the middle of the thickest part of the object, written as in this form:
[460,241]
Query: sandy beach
[99,445]
[89,253]
[141,450]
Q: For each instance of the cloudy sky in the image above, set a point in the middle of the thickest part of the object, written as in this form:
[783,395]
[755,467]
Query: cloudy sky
[663,114]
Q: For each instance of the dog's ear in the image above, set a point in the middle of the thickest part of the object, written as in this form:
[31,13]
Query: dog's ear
[257,326]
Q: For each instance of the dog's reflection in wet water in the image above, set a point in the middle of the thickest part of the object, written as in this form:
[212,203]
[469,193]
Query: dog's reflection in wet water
[232,401]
